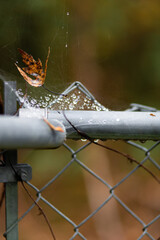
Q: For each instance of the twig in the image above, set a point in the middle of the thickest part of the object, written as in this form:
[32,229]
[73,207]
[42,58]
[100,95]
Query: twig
[29,194]
[41,210]
[2,196]
[131,159]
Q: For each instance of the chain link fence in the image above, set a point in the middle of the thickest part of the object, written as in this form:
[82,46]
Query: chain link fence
[112,185]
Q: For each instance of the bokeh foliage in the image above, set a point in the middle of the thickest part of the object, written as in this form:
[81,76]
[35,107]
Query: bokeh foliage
[110,46]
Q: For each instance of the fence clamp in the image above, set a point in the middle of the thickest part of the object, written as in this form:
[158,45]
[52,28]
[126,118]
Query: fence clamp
[7,173]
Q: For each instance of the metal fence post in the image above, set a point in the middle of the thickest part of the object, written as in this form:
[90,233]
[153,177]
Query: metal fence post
[11,188]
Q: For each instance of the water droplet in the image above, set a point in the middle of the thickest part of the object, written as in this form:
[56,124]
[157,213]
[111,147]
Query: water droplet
[71,106]
[90,121]
[33,102]
[19,92]
[75,101]
[73,95]
[67,13]
[83,140]
[47,99]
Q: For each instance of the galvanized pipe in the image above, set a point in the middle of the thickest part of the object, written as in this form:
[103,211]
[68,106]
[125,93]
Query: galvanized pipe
[30,131]
[18,132]
[104,124]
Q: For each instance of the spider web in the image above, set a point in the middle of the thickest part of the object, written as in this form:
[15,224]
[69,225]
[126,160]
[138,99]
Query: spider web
[27,36]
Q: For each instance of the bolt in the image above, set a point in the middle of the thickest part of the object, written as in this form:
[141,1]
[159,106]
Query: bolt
[22,174]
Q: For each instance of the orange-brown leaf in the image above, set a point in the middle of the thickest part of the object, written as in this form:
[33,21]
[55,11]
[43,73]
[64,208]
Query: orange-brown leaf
[33,68]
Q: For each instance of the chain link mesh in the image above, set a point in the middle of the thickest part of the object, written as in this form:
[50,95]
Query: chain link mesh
[118,187]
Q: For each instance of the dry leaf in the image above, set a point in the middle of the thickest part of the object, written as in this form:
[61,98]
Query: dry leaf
[59,129]
[34,68]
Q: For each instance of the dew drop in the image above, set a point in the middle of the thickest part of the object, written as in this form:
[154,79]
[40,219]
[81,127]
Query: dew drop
[47,99]
[83,140]
[75,101]
[90,121]
[71,106]
[33,102]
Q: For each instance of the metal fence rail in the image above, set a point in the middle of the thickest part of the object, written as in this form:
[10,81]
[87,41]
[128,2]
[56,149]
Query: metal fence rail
[24,132]
[138,122]
[29,133]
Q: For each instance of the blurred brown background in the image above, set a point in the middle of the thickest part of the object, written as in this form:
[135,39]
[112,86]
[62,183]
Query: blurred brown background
[110,46]
[113,48]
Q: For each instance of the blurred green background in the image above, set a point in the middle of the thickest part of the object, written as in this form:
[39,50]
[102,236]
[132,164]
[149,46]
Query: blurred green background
[113,48]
